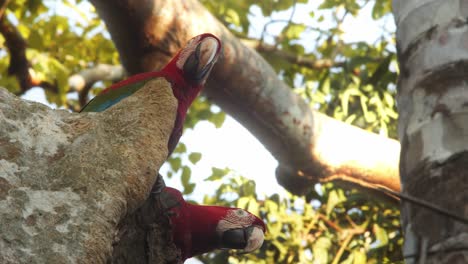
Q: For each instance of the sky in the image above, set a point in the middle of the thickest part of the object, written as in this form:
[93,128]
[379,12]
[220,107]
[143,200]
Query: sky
[232,146]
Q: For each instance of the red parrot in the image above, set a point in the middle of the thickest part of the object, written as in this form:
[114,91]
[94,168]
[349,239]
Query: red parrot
[199,229]
[187,72]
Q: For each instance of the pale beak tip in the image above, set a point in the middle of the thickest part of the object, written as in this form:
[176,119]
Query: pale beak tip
[255,240]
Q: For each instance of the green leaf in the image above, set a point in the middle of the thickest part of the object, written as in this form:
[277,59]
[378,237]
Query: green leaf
[327,4]
[370,117]
[34,5]
[180,148]
[217,174]
[253,207]
[381,70]
[248,188]
[186,173]
[345,97]
[185,179]
[175,163]
[188,189]
[35,40]
[356,257]
[218,119]
[233,17]
[335,197]
[294,31]
[359,257]
[381,235]
[320,250]
[381,8]
[195,157]
[243,202]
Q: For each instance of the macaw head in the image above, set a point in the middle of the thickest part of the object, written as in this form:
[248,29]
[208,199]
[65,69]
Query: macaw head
[192,65]
[187,72]
[199,229]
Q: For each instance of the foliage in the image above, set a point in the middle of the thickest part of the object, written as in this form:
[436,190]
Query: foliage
[350,81]
[355,82]
[62,39]
[357,88]
[326,226]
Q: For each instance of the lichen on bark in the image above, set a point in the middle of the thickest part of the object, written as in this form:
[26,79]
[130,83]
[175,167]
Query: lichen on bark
[67,180]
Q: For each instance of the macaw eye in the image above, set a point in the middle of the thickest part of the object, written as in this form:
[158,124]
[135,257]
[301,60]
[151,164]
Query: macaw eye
[241,213]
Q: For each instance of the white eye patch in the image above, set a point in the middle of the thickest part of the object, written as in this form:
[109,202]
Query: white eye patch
[208,50]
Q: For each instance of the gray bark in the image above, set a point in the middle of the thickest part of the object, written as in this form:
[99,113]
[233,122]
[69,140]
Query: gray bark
[432,37]
[67,180]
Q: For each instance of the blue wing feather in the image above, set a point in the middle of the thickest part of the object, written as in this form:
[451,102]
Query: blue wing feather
[105,100]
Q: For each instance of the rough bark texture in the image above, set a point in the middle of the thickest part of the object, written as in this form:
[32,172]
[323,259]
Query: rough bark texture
[67,180]
[432,39]
[145,236]
[309,146]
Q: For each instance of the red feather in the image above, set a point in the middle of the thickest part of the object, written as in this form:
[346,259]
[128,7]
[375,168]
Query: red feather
[194,226]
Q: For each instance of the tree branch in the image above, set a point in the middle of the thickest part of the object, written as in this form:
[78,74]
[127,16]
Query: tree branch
[309,146]
[3,7]
[100,72]
[70,184]
[19,64]
[83,81]
[290,57]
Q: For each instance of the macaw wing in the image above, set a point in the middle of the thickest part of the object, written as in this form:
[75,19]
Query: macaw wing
[105,100]
[115,93]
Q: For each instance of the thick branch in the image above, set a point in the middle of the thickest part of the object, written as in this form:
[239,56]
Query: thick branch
[309,146]
[83,81]
[101,72]
[290,57]
[67,180]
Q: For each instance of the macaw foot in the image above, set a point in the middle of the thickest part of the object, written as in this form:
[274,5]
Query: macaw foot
[164,199]
[159,185]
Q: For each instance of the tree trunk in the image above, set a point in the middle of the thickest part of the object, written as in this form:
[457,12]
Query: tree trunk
[432,39]
[68,180]
[309,146]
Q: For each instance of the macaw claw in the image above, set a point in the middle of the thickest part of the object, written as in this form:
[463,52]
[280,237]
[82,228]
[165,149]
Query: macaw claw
[159,186]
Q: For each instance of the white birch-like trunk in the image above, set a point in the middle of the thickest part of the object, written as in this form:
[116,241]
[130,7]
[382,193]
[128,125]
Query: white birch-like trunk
[432,39]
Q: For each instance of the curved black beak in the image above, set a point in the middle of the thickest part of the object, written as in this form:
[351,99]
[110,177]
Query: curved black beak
[199,64]
[237,238]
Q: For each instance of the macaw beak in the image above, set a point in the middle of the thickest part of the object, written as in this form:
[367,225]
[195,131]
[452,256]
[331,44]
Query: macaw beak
[199,64]
[247,239]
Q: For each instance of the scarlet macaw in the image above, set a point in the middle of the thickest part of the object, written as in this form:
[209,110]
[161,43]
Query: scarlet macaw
[198,229]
